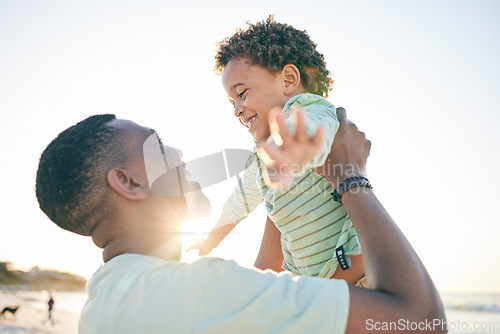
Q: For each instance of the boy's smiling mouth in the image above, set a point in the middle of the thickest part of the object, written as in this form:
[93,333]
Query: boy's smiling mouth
[249,121]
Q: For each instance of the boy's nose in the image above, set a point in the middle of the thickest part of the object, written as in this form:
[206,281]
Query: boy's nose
[238,110]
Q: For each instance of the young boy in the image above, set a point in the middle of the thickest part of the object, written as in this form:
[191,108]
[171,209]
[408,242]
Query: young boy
[271,65]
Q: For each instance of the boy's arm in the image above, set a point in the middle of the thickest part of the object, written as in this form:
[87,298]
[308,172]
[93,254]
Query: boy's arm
[214,238]
[244,199]
[270,255]
[402,289]
[286,154]
[318,113]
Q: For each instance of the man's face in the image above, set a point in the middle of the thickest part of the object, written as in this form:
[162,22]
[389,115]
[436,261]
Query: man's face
[161,167]
[253,91]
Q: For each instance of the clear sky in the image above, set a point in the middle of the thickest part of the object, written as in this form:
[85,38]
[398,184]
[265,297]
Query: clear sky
[419,77]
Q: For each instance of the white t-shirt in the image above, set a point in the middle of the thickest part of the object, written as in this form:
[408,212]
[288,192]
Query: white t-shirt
[141,294]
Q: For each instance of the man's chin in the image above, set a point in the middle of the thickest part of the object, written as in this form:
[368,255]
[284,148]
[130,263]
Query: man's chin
[198,204]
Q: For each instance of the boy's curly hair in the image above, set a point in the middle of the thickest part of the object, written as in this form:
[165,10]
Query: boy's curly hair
[274,45]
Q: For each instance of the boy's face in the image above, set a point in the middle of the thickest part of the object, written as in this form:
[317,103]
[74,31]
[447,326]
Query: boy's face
[253,91]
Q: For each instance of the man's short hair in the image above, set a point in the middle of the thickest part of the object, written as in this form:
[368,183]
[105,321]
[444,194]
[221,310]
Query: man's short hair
[273,45]
[71,181]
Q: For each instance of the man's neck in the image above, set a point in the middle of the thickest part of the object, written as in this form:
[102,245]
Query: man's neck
[167,247]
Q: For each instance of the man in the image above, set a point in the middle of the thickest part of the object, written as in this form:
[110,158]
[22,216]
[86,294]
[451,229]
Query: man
[93,180]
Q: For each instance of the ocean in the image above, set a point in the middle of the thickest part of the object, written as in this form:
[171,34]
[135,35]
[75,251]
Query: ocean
[467,313]
[472,312]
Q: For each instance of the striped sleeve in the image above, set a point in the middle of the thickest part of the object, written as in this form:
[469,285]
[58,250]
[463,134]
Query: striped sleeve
[245,197]
[319,112]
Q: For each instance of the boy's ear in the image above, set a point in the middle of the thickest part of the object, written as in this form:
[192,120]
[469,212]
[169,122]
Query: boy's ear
[126,184]
[291,78]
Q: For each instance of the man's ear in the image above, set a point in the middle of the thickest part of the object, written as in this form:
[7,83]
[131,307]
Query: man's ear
[291,78]
[126,185]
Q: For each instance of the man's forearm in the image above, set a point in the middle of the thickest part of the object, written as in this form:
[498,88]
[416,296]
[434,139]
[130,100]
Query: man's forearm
[402,288]
[391,264]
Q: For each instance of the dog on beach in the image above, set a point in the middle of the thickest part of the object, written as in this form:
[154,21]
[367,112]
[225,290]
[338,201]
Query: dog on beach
[12,310]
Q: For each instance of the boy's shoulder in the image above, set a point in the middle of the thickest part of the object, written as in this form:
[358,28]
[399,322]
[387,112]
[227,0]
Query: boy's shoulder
[309,101]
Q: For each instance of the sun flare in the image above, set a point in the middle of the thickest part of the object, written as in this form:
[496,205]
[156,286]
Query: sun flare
[193,230]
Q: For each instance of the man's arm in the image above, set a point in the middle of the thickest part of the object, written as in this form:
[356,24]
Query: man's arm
[402,288]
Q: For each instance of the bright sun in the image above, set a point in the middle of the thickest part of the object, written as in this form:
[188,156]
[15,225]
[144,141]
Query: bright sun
[193,230]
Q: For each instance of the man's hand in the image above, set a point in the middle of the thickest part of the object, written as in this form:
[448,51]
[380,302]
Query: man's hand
[350,150]
[288,154]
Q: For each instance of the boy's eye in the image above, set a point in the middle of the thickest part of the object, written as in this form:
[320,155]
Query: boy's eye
[240,95]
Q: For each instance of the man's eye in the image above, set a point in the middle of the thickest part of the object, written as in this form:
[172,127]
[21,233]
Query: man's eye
[240,95]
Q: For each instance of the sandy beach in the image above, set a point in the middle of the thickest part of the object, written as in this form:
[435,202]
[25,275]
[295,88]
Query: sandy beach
[31,317]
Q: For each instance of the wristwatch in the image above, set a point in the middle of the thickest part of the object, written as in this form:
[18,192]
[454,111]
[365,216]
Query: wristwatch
[347,184]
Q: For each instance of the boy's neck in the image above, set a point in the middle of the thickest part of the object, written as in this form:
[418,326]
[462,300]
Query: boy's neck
[299,90]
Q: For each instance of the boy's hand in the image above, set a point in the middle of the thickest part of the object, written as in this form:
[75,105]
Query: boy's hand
[203,246]
[349,152]
[288,154]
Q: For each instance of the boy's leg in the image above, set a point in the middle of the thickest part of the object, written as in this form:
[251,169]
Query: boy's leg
[353,274]
[270,254]
[363,283]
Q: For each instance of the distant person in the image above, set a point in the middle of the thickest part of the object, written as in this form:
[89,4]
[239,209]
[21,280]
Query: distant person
[51,303]
[92,180]
[271,65]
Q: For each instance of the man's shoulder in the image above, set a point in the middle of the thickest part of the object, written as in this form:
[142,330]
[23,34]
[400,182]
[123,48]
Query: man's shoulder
[138,265]
[132,284]
[134,262]
[141,273]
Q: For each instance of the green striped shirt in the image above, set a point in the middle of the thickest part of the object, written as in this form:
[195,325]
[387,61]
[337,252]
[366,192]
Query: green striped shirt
[311,223]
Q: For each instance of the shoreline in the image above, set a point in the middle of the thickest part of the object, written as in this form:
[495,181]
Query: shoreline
[32,316]
[463,310]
